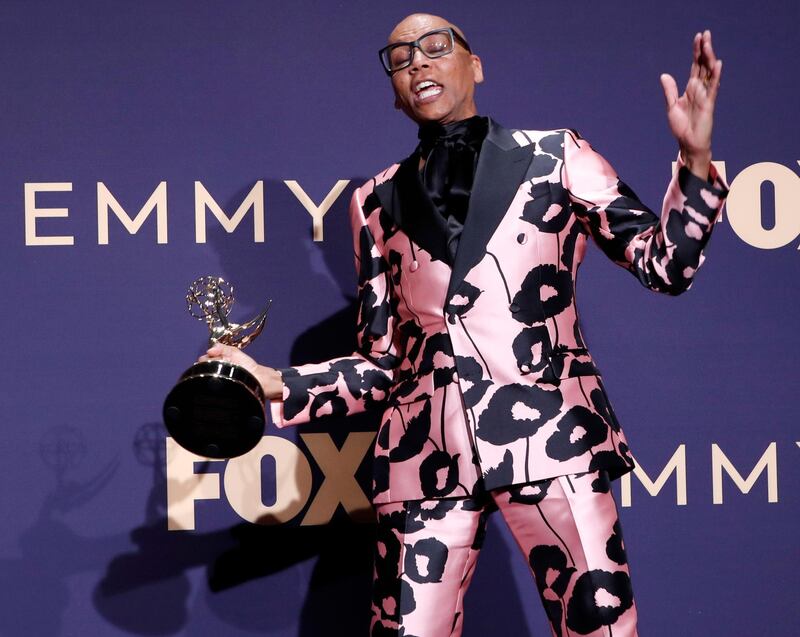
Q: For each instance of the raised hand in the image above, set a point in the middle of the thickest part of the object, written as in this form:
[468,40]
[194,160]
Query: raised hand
[269,378]
[691,115]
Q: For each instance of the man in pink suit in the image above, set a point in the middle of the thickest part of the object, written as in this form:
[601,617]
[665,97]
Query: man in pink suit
[467,254]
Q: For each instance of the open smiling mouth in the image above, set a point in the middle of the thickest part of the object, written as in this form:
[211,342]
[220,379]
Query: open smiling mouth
[426,90]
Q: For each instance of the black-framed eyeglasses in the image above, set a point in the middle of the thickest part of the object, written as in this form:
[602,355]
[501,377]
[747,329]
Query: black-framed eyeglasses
[433,44]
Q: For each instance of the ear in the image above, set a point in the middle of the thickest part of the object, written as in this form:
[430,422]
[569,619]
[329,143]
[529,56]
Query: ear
[477,69]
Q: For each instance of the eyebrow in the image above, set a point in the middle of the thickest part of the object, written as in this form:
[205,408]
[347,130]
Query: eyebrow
[444,26]
[456,32]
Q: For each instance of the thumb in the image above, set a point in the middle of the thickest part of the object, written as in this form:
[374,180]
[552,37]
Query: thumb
[217,349]
[670,89]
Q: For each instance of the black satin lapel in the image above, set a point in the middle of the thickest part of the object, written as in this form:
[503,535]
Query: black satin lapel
[388,196]
[501,169]
[404,198]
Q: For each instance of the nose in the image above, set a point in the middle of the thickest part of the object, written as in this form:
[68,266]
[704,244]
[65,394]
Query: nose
[416,54]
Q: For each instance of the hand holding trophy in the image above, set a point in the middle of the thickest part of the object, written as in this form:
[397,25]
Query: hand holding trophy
[216,409]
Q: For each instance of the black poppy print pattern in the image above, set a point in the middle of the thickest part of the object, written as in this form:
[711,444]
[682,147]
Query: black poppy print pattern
[425,510]
[438,474]
[602,484]
[528,305]
[615,548]
[472,384]
[582,577]
[415,569]
[380,476]
[480,367]
[413,439]
[602,407]
[529,347]
[550,568]
[532,493]
[426,553]
[542,212]
[461,304]
[437,360]
[517,411]
[408,439]
[503,473]
[662,253]
[577,432]
[598,599]
[424,560]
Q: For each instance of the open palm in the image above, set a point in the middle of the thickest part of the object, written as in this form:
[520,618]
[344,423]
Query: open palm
[691,115]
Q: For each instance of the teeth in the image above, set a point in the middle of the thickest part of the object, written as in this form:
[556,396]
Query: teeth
[434,90]
[423,85]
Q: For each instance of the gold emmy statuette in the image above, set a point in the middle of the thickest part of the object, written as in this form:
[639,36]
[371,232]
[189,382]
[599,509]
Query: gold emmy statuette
[216,409]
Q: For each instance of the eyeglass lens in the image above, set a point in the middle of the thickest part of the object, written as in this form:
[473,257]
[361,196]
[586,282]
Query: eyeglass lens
[433,45]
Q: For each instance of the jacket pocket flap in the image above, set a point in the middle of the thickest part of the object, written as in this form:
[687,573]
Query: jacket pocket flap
[412,389]
[568,363]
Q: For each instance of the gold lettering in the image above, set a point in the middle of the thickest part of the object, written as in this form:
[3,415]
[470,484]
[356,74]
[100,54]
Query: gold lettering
[184,486]
[744,205]
[676,464]
[292,482]
[317,212]
[254,199]
[768,461]
[339,468]
[32,213]
[157,202]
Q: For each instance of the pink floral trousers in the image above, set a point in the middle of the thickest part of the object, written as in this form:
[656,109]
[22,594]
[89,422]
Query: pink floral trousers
[567,528]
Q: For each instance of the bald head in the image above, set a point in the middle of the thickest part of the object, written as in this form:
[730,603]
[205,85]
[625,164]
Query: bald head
[435,89]
[426,21]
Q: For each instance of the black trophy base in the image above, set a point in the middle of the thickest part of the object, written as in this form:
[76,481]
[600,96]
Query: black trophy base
[216,410]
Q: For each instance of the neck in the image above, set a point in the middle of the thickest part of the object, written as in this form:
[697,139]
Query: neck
[471,128]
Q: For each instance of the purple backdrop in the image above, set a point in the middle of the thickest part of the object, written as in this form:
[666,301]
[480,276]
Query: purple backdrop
[232,94]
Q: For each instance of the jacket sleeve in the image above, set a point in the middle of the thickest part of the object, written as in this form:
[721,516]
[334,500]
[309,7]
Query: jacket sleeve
[663,253]
[350,384]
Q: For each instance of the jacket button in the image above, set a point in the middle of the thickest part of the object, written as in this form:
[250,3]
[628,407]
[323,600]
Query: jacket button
[524,368]
[522,238]
[414,266]
[514,307]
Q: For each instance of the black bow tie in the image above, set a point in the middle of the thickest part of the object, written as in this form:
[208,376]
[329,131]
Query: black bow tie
[468,134]
[451,157]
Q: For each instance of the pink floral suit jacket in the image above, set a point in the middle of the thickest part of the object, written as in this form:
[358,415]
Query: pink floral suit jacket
[480,369]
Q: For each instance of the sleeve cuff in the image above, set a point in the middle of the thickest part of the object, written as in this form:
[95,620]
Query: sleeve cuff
[276,413]
[705,196]
[715,183]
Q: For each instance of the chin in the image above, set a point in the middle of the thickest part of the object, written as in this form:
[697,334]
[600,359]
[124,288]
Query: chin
[431,116]
[428,115]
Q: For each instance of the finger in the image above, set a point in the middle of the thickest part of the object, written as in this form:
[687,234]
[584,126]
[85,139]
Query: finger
[696,51]
[706,90]
[716,78]
[670,89]
[215,351]
[708,58]
[698,92]
[708,48]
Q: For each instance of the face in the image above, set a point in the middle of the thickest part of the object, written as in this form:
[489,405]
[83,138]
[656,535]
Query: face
[450,97]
